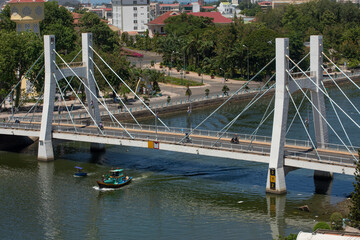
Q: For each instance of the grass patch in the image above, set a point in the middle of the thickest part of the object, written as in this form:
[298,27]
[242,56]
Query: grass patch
[177,81]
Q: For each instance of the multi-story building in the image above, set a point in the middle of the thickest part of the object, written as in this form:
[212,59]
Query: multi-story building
[154,10]
[226,8]
[27,14]
[174,7]
[131,15]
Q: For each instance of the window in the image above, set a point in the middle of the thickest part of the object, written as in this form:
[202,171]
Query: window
[135,2]
[135,15]
[135,21]
[135,8]
[135,27]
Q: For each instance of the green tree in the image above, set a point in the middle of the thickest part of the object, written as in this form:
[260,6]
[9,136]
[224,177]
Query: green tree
[225,90]
[103,36]
[355,198]
[58,21]
[17,53]
[188,92]
[321,225]
[5,22]
[336,221]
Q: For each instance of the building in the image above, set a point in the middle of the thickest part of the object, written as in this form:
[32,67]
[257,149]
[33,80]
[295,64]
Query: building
[174,7]
[279,3]
[154,10]
[226,8]
[265,5]
[105,13]
[158,24]
[131,15]
[27,14]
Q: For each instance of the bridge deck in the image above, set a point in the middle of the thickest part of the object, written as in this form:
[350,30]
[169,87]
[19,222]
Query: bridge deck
[259,151]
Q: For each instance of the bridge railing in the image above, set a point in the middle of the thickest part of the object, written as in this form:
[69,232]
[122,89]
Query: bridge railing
[206,143]
[209,133]
[211,144]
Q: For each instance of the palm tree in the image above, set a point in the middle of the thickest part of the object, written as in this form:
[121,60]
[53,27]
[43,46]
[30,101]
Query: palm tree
[188,92]
[225,90]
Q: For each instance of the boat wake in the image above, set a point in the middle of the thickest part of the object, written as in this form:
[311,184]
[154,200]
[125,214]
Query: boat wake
[105,189]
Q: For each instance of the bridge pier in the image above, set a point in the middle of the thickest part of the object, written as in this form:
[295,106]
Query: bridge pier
[276,173]
[92,103]
[323,182]
[45,150]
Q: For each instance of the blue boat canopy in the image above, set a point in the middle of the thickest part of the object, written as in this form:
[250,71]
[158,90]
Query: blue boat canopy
[116,170]
[78,167]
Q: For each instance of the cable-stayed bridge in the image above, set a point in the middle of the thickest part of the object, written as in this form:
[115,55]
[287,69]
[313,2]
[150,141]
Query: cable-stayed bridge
[282,154]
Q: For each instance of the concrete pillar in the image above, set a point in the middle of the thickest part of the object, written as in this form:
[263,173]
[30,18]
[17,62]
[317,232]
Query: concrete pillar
[317,97]
[92,103]
[323,182]
[276,173]
[45,151]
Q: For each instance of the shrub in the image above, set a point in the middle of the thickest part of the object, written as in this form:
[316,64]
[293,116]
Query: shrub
[321,225]
[336,221]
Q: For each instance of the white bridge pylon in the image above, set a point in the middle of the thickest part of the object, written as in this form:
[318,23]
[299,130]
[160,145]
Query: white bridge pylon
[277,169]
[52,74]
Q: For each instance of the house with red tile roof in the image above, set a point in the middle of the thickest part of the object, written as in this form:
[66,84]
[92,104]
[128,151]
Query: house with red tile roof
[158,24]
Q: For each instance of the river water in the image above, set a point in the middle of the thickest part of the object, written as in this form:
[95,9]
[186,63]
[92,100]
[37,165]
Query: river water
[173,195]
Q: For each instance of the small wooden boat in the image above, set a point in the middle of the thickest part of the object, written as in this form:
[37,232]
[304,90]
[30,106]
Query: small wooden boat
[80,172]
[115,179]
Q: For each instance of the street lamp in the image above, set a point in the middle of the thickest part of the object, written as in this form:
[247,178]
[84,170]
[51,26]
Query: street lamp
[224,75]
[247,53]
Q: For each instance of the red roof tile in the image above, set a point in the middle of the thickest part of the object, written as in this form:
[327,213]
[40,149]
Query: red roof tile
[25,1]
[160,20]
[208,7]
[216,16]
[170,5]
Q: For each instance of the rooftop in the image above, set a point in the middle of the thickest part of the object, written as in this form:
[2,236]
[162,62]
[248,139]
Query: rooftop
[216,16]
[26,1]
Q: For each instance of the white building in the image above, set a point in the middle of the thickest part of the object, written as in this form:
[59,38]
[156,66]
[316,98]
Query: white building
[131,15]
[226,8]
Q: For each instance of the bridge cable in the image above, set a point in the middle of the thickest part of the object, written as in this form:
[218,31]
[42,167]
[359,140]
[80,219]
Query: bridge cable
[227,100]
[302,122]
[234,120]
[323,92]
[341,124]
[292,121]
[314,107]
[32,82]
[102,98]
[263,119]
[130,89]
[65,88]
[337,85]
[79,99]
[127,109]
[27,72]
[341,71]
[94,95]
[62,96]
[34,106]
[247,106]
